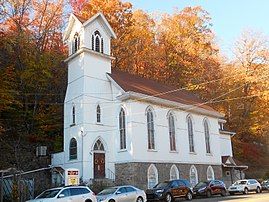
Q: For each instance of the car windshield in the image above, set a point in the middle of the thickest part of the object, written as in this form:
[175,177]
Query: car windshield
[240,182]
[161,185]
[49,193]
[265,182]
[108,191]
[202,184]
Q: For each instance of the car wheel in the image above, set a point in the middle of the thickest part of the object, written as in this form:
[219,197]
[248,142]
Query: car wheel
[111,200]
[88,200]
[139,199]
[189,196]
[258,190]
[223,192]
[208,194]
[168,198]
[245,191]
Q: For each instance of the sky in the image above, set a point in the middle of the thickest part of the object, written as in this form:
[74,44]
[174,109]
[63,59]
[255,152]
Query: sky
[229,17]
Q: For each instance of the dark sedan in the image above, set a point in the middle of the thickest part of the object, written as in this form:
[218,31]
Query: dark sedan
[209,188]
[170,190]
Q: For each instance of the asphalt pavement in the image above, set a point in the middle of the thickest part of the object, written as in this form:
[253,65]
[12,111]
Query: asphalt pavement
[251,197]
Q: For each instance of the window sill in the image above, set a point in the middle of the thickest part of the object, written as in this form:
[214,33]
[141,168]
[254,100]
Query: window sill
[175,152]
[99,123]
[209,154]
[73,124]
[122,150]
[152,150]
[193,153]
[73,160]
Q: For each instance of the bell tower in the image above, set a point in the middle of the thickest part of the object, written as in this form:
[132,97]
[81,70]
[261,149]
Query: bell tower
[89,61]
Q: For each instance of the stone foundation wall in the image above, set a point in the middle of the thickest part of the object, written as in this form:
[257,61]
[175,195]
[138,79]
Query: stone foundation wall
[136,173]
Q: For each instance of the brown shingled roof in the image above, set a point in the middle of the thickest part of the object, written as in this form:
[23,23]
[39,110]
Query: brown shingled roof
[149,87]
[80,18]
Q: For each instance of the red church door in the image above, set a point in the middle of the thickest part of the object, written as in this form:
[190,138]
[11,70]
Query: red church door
[99,165]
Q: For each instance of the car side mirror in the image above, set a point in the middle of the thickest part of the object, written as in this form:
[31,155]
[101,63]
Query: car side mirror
[118,192]
[61,196]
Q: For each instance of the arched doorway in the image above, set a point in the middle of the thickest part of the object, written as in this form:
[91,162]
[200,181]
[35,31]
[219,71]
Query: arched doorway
[99,159]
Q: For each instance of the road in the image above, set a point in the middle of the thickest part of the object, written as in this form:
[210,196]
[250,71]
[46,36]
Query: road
[251,197]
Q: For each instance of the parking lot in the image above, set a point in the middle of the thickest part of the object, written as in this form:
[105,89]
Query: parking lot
[252,197]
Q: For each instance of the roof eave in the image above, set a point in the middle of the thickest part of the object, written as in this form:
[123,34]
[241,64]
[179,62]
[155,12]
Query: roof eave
[87,50]
[68,29]
[227,133]
[176,105]
[112,33]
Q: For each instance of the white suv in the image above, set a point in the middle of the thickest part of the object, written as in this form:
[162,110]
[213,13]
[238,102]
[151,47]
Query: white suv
[66,194]
[244,186]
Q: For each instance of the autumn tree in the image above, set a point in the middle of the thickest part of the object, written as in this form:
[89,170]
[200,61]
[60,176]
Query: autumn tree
[248,115]
[31,53]
[187,43]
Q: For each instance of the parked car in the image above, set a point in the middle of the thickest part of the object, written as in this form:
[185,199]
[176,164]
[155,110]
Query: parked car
[209,188]
[121,194]
[66,194]
[170,190]
[245,186]
[265,185]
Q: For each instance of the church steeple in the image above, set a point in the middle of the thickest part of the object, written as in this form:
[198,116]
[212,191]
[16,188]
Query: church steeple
[93,34]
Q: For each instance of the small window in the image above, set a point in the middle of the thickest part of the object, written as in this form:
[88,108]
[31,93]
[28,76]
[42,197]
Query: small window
[193,176]
[150,125]
[98,146]
[73,115]
[210,173]
[102,45]
[122,128]
[98,114]
[190,134]
[73,149]
[152,176]
[174,173]
[172,132]
[207,137]
[76,43]
[97,42]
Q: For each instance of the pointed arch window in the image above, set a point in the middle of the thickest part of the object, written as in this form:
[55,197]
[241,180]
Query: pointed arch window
[190,134]
[98,146]
[174,173]
[97,42]
[98,114]
[193,176]
[172,132]
[210,173]
[152,176]
[73,115]
[207,137]
[122,127]
[76,43]
[73,149]
[150,126]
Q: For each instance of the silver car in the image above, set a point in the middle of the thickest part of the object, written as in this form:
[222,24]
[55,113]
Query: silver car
[122,194]
[66,194]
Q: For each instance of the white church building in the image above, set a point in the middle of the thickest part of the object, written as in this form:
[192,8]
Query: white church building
[130,129]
